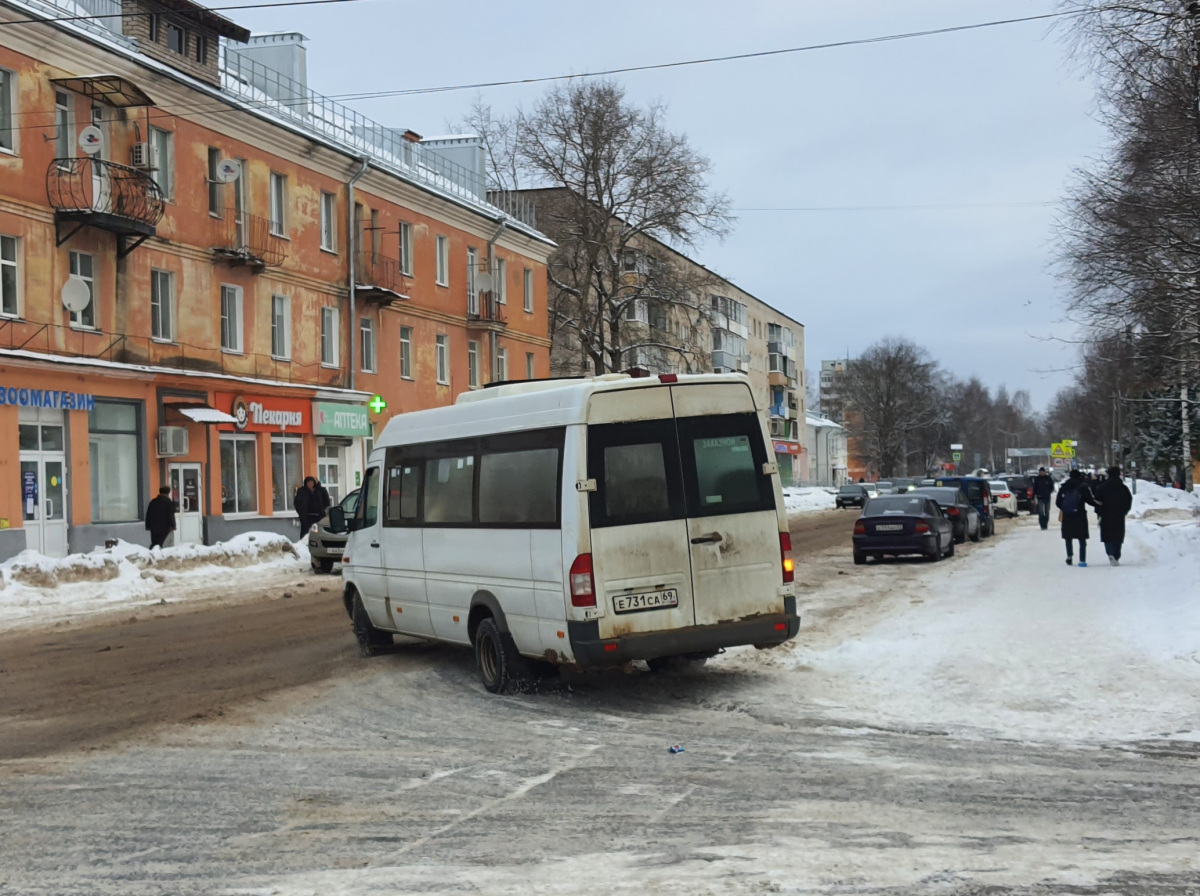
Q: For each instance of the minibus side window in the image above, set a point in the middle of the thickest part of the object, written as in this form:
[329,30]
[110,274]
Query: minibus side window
[636,468]
[402,484]
[519,487]
[450,489]
[723,458]
[369,508]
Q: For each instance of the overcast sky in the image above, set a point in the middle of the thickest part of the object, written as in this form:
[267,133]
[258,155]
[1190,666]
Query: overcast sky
[993,119]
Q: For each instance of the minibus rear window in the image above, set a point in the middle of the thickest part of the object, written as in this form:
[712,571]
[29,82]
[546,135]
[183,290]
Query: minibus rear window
[636,468]
[723,459]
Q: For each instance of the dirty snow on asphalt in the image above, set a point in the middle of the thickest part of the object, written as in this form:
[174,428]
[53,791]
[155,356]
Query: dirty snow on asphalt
[808,499]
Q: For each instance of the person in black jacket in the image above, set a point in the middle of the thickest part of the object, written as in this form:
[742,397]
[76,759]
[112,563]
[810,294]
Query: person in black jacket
[1115,501]
[1072,502]
[311,502]
[1043,489]
[160,517]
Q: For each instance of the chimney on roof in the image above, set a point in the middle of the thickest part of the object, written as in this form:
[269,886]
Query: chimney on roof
[274,55]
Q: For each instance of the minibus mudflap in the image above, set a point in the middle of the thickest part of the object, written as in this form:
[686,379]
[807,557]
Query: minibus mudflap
[767,629]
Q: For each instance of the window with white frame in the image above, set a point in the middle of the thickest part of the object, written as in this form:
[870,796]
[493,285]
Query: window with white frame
[162,160]
[8,92]
[215,206]
[366,329]
[162,306]
[330,341]
[10,304]
[231,318]
[637,311]
[500,286]
[287,470]
[443,359]
[83,266]
[530,366]
[281,327]
[62,124]
[329,222]
[406,249]
[406,352]
[501,364]
[528,283]
[473,364]
[114,440]
[239,474]
[278,204]
[443,261]
[472,291]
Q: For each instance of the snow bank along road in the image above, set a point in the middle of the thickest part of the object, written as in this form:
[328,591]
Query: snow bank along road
[1034,731]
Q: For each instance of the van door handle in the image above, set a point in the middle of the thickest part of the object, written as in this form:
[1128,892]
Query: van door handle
[710,538]
[374,544]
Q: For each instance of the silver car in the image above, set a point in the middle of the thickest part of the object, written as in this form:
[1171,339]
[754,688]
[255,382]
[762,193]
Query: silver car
[325,544]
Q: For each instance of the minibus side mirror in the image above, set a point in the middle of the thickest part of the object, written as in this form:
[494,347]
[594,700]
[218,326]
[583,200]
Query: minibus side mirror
[337,519]
[354,524]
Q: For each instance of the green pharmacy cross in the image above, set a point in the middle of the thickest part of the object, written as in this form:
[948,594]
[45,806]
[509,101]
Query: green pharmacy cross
[377,404]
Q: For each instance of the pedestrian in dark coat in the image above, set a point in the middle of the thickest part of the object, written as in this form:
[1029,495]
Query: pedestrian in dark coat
[1043,491]
[160,517]
[1115,501]
[1072,501]
[311,502]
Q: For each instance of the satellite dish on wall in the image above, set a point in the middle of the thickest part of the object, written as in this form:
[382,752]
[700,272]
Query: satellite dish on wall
[228,170]
[91,140]
[75,294]
[483,281]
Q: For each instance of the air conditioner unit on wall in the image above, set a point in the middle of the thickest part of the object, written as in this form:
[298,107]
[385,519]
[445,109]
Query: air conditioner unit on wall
[139,155]
[172,441]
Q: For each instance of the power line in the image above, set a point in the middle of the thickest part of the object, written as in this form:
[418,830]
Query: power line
[127,15]
[224,106]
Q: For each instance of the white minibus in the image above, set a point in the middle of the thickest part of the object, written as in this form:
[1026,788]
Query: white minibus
[582,522]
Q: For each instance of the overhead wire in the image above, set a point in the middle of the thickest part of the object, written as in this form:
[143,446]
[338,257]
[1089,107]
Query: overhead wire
[132,15]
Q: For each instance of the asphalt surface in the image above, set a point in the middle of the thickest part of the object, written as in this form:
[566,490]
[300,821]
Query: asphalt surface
[293,767]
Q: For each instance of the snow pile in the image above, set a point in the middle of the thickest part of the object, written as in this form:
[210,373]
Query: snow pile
[808,500]
[34,585]
[1009,641]
[1158,502]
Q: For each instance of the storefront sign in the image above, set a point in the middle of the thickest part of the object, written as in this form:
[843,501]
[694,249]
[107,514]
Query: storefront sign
[788,448]
[332,418]
[259,413]
[47,398]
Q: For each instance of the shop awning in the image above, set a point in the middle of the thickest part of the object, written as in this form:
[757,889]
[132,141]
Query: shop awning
[202,413]
[111,89]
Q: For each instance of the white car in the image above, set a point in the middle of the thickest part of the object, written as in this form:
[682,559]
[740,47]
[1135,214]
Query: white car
[1005,498]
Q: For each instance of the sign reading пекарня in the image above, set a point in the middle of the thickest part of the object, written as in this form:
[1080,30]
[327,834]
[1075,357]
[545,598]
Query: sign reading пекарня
[47,398]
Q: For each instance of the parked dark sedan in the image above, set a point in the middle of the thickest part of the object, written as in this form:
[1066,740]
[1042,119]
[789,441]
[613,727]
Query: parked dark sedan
[979,494]
[327,541]
[903,524]
[1022,487]
[850,496]
[959,510]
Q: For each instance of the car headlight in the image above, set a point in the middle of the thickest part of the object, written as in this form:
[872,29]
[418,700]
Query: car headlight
[315,528]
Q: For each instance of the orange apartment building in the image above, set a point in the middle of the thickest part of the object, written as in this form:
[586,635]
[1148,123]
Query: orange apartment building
[214,278]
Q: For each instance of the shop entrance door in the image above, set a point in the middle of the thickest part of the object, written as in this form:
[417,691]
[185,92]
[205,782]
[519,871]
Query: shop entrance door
[43,481]
[331,469]
[185,481]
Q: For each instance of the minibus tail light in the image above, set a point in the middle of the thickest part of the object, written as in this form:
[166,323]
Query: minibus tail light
[785,555]
[583,585]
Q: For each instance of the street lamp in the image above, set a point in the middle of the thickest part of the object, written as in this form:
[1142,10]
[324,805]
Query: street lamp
[1016,440]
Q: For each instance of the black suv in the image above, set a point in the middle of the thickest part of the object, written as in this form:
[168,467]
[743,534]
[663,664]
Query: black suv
[850,496]
[1022,487]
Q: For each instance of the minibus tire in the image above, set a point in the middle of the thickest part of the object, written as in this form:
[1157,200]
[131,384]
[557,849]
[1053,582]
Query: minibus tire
[371,641]
[501,667]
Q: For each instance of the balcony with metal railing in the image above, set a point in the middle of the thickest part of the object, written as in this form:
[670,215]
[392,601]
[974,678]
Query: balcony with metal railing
[240,238]
[485,313]
[379,279]
[90,192]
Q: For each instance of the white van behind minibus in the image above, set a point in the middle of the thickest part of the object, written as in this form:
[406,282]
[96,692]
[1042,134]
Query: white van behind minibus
[581,522]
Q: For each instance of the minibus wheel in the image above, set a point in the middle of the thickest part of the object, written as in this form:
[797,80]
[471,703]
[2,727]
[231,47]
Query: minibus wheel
[500,666]
[371,641]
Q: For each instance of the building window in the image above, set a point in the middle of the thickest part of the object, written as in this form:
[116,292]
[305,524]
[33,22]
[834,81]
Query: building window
[162,306]
[443,261]
[529,366]
[281,327]
[84,267]
[152,27]
[162,160]
[329,222]
[231,318]
[10,305]
[500,287]
[443,359]
[239,474]
[406,352]
[528,290]
[62,124]
[376,229]
[366,329]
[473,364]
[214,185]
[405,236]
[287,470]
[8,84]
[176,39]
[278,204]
[472,290]
[330,341]
[501,364]
[114,455]
[201,49]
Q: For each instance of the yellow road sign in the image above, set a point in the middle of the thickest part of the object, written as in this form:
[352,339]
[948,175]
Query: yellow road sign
[1065,448]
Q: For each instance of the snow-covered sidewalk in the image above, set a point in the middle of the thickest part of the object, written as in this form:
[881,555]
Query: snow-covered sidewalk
[1009,641]
[39,589]
[810,499]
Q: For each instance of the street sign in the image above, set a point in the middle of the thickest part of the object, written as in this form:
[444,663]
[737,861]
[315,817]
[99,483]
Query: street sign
[1116,447]
[1059,462]
[955,446]
[957,456]
[1065,448]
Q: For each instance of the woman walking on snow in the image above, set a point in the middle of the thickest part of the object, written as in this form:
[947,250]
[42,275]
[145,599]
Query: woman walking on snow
[1072,501]
[1115,501]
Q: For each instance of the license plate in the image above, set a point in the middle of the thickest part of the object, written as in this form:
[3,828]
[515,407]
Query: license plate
[890,527]
[648,600]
